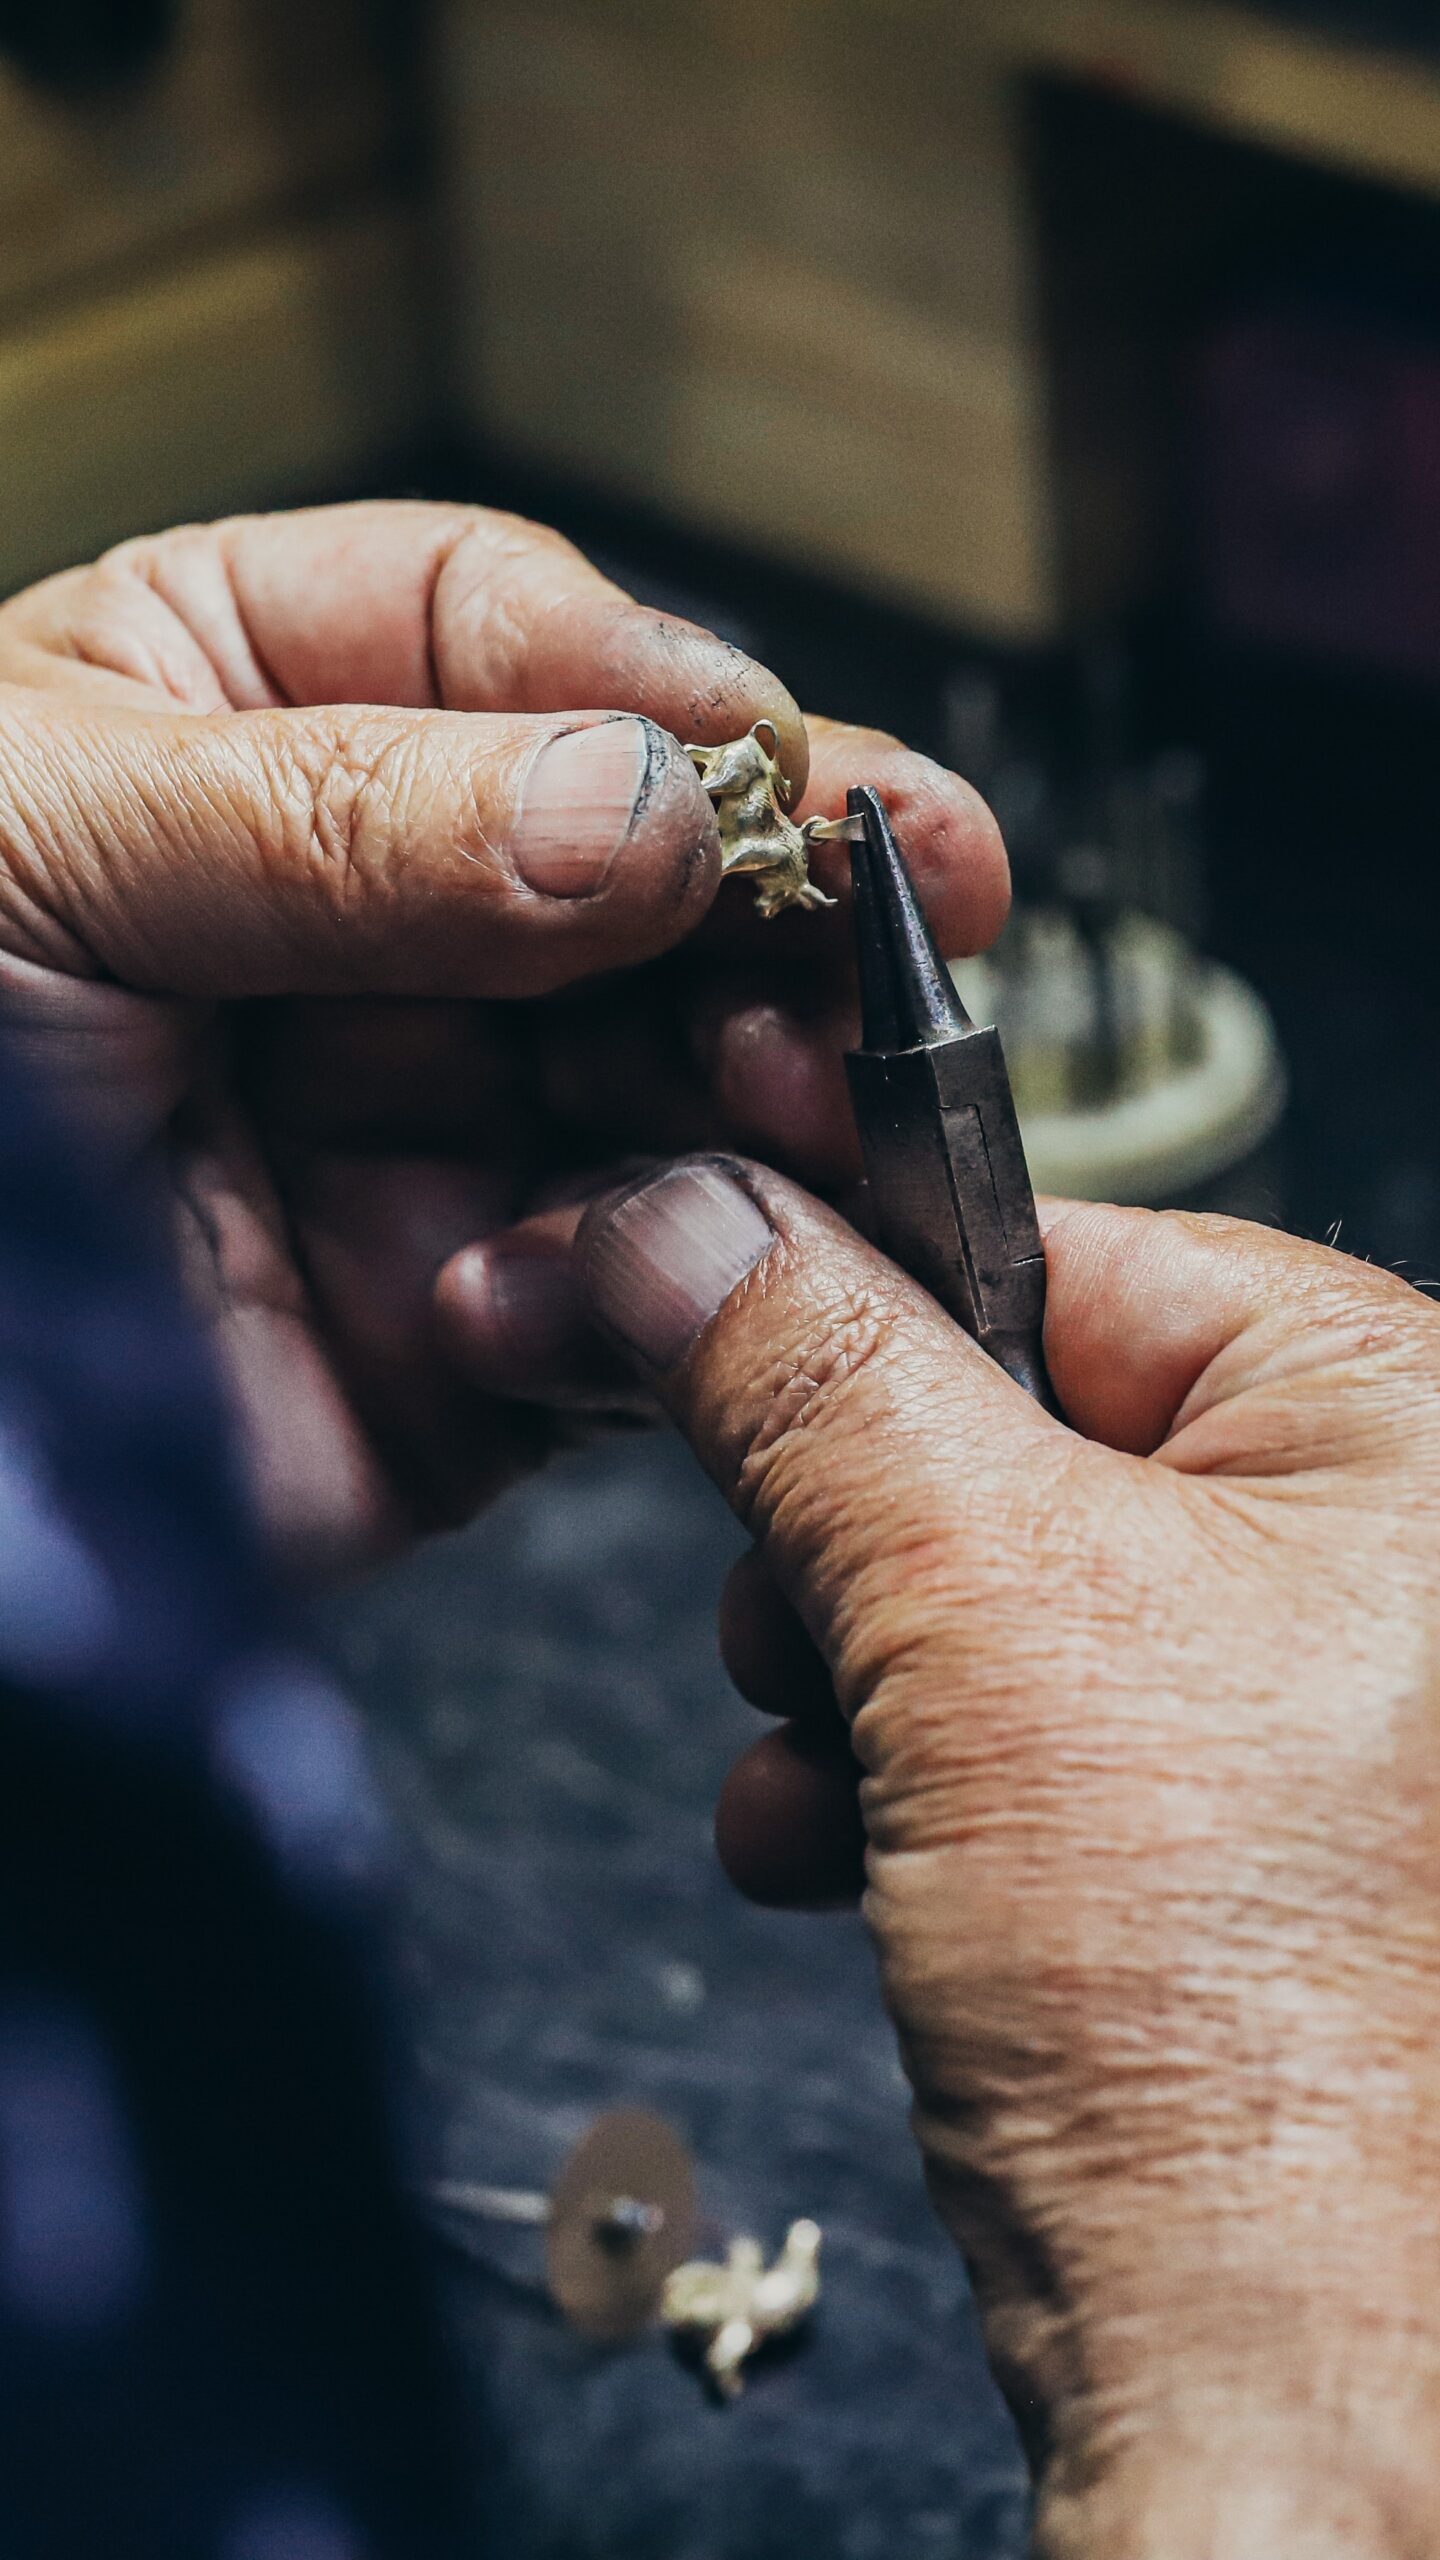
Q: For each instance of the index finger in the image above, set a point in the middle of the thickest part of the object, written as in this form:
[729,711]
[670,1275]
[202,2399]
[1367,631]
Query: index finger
[391,601]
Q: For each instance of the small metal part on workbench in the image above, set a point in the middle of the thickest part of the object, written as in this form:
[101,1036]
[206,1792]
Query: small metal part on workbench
[949,1186]
[618,2220]
[622,2219]
[619,2225]
[751,795]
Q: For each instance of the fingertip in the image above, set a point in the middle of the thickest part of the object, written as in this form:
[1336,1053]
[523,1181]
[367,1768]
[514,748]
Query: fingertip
[779,1085]
[510,1317]
[948,833]
[955,849]
[522,619]
[713,689]
[461,1301]
[771,1657]
[607,649]
[788,1826]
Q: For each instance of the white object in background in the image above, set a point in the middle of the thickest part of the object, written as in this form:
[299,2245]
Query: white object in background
[1179,1123]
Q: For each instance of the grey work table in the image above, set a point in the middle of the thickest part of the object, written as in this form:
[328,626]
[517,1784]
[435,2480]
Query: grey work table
[552,1722]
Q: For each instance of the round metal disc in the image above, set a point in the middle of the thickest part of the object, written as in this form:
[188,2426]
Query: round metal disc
[607,2272]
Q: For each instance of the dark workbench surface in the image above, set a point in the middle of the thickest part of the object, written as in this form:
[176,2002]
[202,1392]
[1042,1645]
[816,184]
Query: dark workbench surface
[554,1721]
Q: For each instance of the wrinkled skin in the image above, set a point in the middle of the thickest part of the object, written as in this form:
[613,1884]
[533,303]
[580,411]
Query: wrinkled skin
[1146,1709]
[1146,1717]
[259,911]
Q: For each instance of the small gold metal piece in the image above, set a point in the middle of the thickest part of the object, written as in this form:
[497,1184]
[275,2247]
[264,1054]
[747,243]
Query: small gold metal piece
[749,791]
[736,2306]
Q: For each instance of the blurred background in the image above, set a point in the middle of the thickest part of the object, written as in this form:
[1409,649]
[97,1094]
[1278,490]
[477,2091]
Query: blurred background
[1056,382]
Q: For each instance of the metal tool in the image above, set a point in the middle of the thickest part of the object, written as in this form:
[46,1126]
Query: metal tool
[620,2224]
[618,2221]
[949,1185]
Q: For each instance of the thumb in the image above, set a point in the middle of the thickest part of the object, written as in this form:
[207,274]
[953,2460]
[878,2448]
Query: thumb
[848,1422]
[345,848]
[879,1455]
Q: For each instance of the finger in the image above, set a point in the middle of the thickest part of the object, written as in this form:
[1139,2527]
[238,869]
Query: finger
[872,1447]
[316,1481]
[390,1075]
[371,1235]
[615,1066]
[769,1655]
[345,850]
[680,1059]
[512,1315]
[950,839]
[778,1085]
[788,1825]
[648,1063]
[552,1087]
[1185,1336]
[115,1061]
[387,602]
[837,1408]
[948,835]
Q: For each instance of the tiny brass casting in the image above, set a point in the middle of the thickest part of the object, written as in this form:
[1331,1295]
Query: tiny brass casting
[749,791]
[736,2306]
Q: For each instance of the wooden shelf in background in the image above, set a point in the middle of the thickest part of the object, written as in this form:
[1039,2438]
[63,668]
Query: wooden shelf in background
[287,362]
[787,353]
[776,268]
[1372,111]
[254,106]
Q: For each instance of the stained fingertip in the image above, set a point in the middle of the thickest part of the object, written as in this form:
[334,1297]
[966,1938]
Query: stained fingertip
[788,1827]
[723,689]
[956,851]
[606,650]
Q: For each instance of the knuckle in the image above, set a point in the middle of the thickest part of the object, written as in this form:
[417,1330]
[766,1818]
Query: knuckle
[501,578]
[338,809]
[47,832]
[515,537]
[1313,1292]
[26,617]
[503,551]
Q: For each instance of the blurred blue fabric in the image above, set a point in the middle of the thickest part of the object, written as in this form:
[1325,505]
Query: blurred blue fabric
[216,2336]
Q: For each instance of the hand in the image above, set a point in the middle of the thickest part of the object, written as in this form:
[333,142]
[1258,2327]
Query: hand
[1148,1713]
[248,935]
